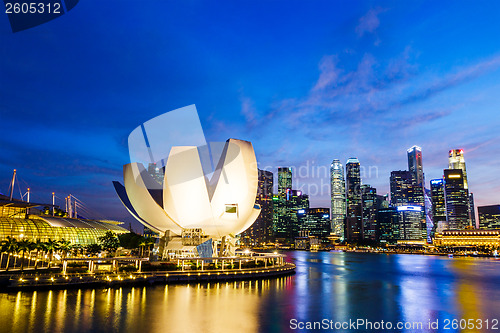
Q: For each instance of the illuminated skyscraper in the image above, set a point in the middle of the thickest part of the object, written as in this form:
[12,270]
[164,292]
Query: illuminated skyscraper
[415,164]
[456,199]
[489,217]
[456,160]
[354,223]
[472,211]
[410,223]
[299,202]
[318,222]
[262,229]
[369,211]
[405,190]
[388,225]
[288,202]
[337,187]
[438,205]
[283,221]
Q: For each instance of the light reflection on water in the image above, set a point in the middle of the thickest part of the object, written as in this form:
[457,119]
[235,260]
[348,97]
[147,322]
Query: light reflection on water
[335,286]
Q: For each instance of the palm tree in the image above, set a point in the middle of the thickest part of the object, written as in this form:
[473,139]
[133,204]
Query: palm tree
[142,244]
[39,246]
[50,247]
[10,246]
[23,246]
[65,247]
[76,249]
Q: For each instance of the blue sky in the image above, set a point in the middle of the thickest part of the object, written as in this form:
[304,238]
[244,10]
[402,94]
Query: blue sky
[305,81]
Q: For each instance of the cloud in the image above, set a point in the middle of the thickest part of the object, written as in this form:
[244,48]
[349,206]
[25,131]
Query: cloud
[329,72]
[459,76]
[248,110]
[369,22]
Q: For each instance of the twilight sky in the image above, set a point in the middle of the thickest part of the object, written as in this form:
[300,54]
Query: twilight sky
[305,81]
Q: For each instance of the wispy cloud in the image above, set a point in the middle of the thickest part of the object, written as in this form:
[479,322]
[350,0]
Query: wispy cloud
[248,110]
[369,22]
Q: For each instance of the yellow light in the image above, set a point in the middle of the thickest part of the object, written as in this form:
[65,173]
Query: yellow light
[454,176]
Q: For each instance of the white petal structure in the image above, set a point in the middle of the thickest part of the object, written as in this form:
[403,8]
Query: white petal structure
[221,202]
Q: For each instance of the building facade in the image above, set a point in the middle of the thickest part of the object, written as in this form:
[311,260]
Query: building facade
[388,225]
[415,164]
[282,218]
[15,222]
[438,205]
[354,223]
[410,223]
[489,217]
[456,200]
[338,199]
[405,190]
[318,222]
[468,238]
[262,229]
[456,160]
[369,212]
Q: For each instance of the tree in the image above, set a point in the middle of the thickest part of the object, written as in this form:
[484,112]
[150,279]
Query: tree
[10,246]
[23,246]
[64,247]
[109,242]
[150,241]
[50,247]
[39,246]
[93,249]
[142,244]
[76,249]
[130,240]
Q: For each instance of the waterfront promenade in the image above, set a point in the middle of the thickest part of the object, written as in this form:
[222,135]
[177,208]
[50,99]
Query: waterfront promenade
[183,270]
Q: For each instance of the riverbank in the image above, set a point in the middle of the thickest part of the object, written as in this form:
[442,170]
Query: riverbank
[62,281]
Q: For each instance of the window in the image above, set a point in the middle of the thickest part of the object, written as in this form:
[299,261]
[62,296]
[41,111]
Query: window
[232,208]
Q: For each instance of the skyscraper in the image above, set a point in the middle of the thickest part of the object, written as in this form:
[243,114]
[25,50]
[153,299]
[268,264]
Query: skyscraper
[489,217]
[282,216]
[262,229]
[456,199]
[410,223]
[387,225]
[287,203]
[318,222]
[284,181]
[405,190]
[298,202]
[338,198]
[456,160]
[415,164]
[354,224]
[438,205]
[369,211]
[472,211]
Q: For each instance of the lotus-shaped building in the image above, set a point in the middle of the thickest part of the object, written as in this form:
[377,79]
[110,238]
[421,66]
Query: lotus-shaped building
[209,187]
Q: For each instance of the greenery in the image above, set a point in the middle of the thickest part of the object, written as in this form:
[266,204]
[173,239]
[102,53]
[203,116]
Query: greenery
[93,249]
[135,241]
[109,242]
[33,250]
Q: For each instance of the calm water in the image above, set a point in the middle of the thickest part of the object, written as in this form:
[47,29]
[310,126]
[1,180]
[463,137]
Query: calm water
[332,286]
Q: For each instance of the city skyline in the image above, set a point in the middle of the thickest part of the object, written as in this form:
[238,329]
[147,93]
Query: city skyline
[359,81]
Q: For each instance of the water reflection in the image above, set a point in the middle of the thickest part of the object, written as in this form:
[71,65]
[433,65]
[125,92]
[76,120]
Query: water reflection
[333,286]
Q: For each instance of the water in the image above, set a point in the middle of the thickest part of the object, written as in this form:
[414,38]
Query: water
[331,286]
